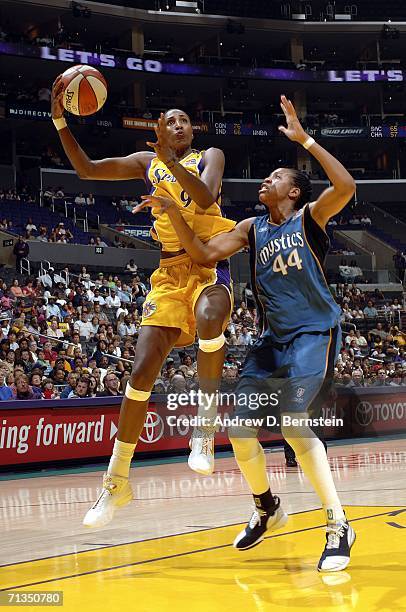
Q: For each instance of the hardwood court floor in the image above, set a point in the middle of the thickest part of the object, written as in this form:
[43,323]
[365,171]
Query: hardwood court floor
[172,546]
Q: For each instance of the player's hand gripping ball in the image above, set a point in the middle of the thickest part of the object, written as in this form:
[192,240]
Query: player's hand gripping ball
[84,90]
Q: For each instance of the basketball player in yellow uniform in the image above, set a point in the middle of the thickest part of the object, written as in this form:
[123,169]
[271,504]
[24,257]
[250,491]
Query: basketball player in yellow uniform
[184,296]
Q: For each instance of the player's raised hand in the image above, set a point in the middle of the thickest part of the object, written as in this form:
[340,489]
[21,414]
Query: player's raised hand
[294,130]
[162,146]
[56,98]
[160,203]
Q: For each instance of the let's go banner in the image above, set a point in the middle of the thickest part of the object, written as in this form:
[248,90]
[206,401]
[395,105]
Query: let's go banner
[134,63]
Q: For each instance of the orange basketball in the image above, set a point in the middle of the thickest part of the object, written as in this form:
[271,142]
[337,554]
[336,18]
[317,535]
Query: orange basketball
[85,90]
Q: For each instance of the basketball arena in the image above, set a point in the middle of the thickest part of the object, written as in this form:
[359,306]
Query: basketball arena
[202,305]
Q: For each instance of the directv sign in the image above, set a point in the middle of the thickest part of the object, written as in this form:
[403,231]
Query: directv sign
[23,112]
[222,128]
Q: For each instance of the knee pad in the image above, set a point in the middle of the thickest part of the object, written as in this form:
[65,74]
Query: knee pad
[209,346]
[136,395]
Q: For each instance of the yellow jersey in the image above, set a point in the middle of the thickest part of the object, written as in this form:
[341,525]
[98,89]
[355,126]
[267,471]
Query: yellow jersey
[205,223]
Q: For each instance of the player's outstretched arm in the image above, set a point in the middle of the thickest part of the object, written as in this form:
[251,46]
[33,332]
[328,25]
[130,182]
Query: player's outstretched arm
[203,190]
[333,199]
[217,248]
[111,169]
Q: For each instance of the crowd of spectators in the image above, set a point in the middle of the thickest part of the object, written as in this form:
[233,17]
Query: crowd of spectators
[54,198]
[363,221]
[58,233]
[49,195]
[76,337]
[373,351]
[61,232]
[23,194]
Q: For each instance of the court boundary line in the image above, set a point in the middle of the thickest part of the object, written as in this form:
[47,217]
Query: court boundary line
[150,539]
[189,532]
[183,554]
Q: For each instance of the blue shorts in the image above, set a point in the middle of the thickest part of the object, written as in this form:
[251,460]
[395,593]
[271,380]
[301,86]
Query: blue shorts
[298,375]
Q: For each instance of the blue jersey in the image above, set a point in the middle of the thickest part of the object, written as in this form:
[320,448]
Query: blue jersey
[288,280]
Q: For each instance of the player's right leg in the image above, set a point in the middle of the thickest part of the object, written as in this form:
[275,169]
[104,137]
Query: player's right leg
[268,515]
[153,346]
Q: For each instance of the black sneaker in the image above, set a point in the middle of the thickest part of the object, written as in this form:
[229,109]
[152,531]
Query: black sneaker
[261,521]
[336,555]
[291,462]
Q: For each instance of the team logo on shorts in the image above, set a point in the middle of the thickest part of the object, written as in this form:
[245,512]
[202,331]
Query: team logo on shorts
[148,309]
[300,393]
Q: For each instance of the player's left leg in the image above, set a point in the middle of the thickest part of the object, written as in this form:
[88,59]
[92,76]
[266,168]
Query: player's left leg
[290,457]
[313,358]
[312,458]
[212,313]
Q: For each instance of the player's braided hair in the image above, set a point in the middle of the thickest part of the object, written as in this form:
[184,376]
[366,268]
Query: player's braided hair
[302,181]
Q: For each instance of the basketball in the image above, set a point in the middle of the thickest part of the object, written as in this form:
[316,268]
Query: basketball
[85,90]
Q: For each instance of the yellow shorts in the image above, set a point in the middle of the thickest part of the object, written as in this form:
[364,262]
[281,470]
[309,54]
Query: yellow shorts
[175,288]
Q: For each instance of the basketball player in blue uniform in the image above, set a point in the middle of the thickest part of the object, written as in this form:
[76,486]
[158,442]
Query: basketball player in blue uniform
[300,334]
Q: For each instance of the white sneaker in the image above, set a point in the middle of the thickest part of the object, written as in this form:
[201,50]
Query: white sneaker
[340,539]
[260,523]
[201,458]
[116,493]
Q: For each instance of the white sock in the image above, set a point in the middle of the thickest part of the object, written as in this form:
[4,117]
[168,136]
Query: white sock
[121,459]
[207,409]
[251,460]
[312,458]
[314,464]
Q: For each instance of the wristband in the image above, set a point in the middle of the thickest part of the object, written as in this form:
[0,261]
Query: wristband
[60,123]
[309,142]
